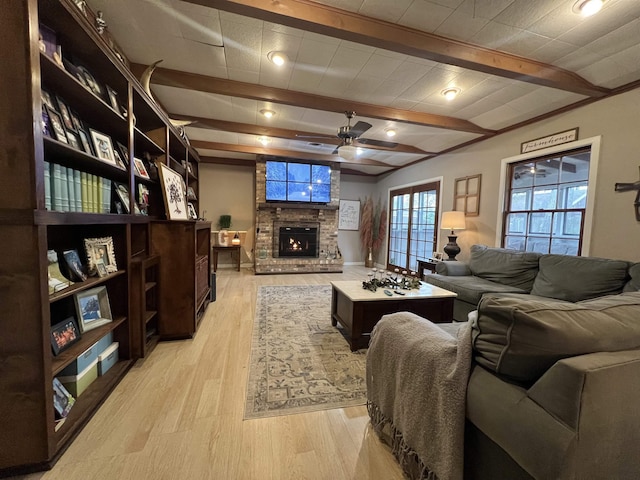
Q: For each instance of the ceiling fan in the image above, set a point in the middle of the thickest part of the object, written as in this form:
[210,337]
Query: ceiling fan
[348,133]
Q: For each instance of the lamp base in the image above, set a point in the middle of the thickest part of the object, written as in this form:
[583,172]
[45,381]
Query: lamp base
[452,249]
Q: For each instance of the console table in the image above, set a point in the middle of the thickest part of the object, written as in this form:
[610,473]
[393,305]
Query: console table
[234,250]
[358,310]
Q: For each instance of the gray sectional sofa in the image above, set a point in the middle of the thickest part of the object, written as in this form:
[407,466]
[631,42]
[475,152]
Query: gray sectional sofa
[554,387]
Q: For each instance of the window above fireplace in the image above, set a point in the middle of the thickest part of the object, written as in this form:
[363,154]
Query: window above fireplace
[298,182]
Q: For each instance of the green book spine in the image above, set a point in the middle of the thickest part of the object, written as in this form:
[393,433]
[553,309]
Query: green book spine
[56,193]
[94,194]
[90,190]
[64,189]
[77,184]
[99,206]
[84,180]
[71,190]
[47,185]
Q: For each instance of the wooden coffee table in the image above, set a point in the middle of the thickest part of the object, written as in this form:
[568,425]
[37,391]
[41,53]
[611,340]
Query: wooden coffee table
[358,310]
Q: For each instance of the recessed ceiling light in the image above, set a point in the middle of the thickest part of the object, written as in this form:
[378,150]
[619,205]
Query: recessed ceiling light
[450,93]
[586,8]
[267,113]
[264,140]
[278,58]
[390,132]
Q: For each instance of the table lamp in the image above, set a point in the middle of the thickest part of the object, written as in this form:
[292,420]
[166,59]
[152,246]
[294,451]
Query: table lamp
[452,221]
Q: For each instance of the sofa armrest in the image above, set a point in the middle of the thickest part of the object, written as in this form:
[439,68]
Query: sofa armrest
[452,268]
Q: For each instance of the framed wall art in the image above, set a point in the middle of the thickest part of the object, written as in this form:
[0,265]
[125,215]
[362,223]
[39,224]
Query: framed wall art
[349,215]
[173,191]
[100,249]
[466,195]
[93,309]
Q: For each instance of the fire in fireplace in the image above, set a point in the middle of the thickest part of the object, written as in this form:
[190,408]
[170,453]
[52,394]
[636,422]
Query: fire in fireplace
[298,242]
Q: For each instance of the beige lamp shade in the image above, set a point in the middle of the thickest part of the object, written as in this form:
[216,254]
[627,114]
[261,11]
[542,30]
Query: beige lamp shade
[453,221]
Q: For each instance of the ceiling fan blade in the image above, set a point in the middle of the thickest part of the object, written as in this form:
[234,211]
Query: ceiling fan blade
[377,143]
[335,152]
[315,136]
[358,129]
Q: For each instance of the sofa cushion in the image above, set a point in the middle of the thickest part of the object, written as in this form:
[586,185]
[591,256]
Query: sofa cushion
[574,279]
[633,285]
[521,337]
[508,267]
[469,288]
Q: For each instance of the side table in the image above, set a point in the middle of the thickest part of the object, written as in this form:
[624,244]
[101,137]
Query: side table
[429,264]
[234,250]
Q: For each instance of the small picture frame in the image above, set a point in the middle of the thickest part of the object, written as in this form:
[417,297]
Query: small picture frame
[47,99]
[119,161]
[74,140]
[141,170]
[100,249]
[64,334]
[46,129]
[123,194]
[92,308]
[57,125]
[77,124]
[86,144]
[103,147]
[193,214]
[113,98]
[91,82]
[101,269]
[173,192]
[74,265]
[62,399]
[191,194]
[66,113]
[124,151]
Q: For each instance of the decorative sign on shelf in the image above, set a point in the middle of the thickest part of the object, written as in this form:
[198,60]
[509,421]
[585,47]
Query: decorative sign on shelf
[550,140]
[349,215]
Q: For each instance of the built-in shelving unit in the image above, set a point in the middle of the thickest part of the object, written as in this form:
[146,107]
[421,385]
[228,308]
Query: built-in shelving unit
[34,220]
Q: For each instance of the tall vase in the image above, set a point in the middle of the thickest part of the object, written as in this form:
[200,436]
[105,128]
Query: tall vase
[368,261]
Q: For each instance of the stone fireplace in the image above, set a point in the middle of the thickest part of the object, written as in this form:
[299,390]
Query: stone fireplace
[311,243]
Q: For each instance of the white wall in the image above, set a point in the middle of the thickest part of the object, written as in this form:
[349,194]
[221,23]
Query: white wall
[615,232]
[354,187]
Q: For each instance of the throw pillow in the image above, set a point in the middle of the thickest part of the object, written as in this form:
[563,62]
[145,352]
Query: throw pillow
[574,279]
[520,337]
[501,265]
[633,285]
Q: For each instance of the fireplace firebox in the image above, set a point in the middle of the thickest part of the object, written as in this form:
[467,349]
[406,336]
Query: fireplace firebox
[298,242]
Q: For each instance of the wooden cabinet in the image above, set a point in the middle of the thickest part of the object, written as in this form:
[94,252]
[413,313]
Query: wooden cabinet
[186,265]
[33,220]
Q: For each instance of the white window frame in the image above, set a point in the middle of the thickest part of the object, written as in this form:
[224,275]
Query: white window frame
[594,144]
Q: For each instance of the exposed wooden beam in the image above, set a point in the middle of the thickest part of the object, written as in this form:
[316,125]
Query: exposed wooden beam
[280,152]
[326,20]
[241,162]
[298,135]
[221,86]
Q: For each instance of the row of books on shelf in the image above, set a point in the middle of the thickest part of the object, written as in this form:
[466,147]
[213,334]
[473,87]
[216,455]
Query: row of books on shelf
[70,190]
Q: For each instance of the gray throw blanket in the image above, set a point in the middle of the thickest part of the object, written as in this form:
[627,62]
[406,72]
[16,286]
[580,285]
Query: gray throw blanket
[417,377]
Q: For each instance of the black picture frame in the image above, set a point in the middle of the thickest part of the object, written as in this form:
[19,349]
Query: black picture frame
[124,151]
[57,125]
[65,113]
[84,139]
[64,334]
[47,99]
[113,98]
[62,399]
[75,119]
[74,140]
[74,265]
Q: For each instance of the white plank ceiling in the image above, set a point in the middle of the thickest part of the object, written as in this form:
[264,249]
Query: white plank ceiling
[604,50]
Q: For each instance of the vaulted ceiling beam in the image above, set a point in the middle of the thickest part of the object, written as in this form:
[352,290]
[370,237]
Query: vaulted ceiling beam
[297,135]
[326,20]
[221,86]
[280,152]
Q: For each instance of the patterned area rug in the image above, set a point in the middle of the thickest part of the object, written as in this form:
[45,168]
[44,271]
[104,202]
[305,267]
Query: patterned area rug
[299,362]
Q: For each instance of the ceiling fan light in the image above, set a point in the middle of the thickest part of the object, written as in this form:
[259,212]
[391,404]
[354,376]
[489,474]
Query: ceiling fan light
[348,152]
[277,58]
[390,132]
[586,8]
[267,113]
[450,93]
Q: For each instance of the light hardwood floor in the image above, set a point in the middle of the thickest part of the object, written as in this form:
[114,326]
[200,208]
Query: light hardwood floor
[178,413]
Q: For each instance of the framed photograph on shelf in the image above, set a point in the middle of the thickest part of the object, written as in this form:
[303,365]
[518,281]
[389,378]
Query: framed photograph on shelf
[91,82]
[74,140]
[64,334]
[173,192]
[101,268]
[84,139]
[57,125]
[141,170]
[65,112]
[119,161]
[93,309]
[193,214]
[103,147]
[100,249]
[123,195]
[62,399]
[124,151]
[47,99]
[113,98]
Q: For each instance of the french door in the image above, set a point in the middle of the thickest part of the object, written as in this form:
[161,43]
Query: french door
[413,225]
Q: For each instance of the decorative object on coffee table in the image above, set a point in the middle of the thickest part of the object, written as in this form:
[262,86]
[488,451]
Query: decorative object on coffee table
[452,221]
